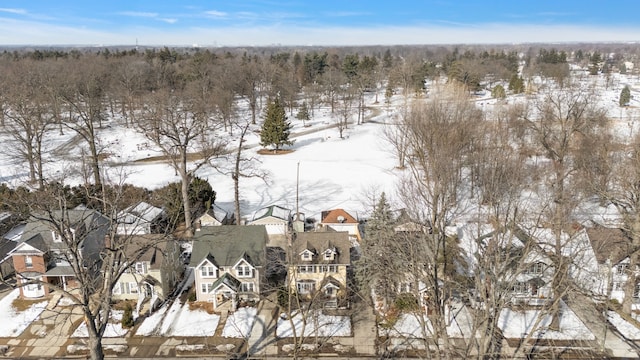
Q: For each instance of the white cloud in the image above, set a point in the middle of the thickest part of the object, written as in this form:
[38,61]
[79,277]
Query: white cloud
[17,32]
[215,13]
[14,11]
[139,14]
[168,20]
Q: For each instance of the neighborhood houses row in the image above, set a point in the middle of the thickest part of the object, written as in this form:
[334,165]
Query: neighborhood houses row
[234,264]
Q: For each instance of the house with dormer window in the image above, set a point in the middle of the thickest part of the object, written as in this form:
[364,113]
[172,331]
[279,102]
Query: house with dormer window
[340,220]
[41,256]
[228,263]
[154,274]
[318,265]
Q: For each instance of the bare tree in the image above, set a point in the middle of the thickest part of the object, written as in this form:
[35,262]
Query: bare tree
[183,135]
[559,120]
[29,116]
[84,95]
[85,245]
[345,110]
[441,133]
[242,167]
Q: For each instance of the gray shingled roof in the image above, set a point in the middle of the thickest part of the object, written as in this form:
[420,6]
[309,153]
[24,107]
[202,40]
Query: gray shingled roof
[321,241]
[230,243]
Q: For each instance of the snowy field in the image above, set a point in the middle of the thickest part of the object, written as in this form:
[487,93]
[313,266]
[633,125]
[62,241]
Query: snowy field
[12,322]
[240,323]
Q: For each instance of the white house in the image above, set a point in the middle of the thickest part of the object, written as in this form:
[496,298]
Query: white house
[276,219]
[215,216]
[340,220]
[139,219]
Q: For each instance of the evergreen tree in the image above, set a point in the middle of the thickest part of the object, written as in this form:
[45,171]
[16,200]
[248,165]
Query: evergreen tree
[303,113]
[625,96]
[498,92]
[380,265]
[516,84]
[275,128]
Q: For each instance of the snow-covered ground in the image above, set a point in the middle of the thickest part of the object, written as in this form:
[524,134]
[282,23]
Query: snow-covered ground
[240,323]
[114,328]
[410,325]
[13,322]
[519,324]
[625,328]
[318,324]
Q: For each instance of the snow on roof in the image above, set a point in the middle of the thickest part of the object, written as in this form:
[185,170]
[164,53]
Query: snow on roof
[273,210]
[15,233]
[144,211]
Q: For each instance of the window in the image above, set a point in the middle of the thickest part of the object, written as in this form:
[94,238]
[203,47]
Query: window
[305,287]
[304,269]
[243,271]
[520,288]
[536,268]
[133,288]
[306,255]
[208,271]
[116,289]
[247,287]
[28,261]
[141,267]
[621,268]
[333,268]
[206,288]
[56,237]
[330,290]
[617,286]
[328,255]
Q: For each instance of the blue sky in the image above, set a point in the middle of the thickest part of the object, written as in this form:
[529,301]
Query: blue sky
[313,22]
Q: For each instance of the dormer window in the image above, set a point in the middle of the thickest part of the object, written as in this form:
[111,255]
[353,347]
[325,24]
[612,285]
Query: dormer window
[329,255]
[306,255]
[56,236]
[208,271]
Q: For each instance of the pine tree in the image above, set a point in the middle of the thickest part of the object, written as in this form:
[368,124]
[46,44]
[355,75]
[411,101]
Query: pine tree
[303,114]
[516,84]
[498,92]
[275,128]
[625,96]
[379,266]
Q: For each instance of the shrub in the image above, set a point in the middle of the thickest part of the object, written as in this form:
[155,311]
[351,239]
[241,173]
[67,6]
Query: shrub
[406,302]
[192,296]
[127,317]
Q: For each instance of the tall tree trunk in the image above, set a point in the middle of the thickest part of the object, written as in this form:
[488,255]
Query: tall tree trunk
[186,204]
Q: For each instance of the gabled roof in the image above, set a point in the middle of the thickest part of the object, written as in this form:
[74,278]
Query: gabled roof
[143,211]
[218,213]
[90,224]
[318,242]
[229,281]
[275,211]
[337,216]
[157,245]
[230,243]
[330,280]
[609,243]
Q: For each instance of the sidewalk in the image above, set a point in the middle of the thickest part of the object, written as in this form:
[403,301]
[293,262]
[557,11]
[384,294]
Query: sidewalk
[262,341]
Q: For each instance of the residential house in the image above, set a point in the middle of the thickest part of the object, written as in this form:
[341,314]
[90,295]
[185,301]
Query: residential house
[155,272]
[340,220]
[276,219]
[228,263]
[611,247]
[318,265]
[215,216]
[526,269]
[41,255]
[141,218]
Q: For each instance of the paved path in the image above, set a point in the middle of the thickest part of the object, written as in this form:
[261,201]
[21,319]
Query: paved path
[262,341]
[585,309]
